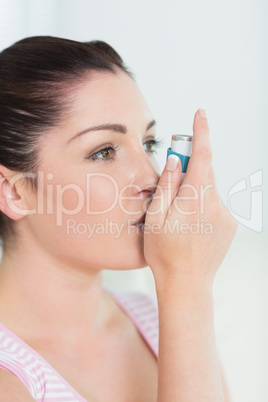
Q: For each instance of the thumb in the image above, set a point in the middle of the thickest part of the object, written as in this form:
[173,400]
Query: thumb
[166,190]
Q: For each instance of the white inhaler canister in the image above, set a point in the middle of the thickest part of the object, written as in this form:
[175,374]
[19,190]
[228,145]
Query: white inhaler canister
[181,145]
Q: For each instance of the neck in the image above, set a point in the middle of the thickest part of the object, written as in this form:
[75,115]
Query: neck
[46,299]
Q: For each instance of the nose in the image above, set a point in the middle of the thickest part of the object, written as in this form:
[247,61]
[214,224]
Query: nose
[144,176]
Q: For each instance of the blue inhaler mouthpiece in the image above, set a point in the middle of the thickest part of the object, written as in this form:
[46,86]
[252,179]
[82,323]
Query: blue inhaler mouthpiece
[181,145]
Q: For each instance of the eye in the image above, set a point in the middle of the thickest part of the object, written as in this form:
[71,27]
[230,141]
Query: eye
[104,154]
[152,144]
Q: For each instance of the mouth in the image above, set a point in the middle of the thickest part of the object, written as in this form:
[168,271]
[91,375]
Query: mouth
[140,221]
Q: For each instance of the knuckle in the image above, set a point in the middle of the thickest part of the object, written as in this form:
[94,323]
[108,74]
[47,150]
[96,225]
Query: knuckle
[204,125]
[230,220]
[217,209]
[167,184]
[211,176]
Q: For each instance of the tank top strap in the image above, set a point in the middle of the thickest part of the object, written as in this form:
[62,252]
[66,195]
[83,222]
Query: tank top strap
[142,309]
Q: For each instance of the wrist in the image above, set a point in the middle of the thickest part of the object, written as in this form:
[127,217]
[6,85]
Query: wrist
[176,282]
[185,307]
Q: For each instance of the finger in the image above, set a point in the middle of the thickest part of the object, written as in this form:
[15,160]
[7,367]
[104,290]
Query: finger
[166,189]
[200,160]
[211,178]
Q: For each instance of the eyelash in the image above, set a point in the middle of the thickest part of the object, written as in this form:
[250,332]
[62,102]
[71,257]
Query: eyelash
[155,142]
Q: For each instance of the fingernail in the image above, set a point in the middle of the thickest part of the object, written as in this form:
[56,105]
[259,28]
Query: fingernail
[203,112]
[172,162]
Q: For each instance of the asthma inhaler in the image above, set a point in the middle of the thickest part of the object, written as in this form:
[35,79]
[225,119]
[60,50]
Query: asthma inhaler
[181,145]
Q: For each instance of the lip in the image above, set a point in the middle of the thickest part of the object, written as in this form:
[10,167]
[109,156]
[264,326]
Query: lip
[140,220]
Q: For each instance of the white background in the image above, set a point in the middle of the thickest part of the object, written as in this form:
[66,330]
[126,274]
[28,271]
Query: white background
[187,54]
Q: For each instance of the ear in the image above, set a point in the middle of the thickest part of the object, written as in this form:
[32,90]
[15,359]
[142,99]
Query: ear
[11,194]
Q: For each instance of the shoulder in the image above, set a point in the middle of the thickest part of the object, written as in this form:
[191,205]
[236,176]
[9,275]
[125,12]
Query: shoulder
[140,304]
[142,309]
[20,364]
[12,388]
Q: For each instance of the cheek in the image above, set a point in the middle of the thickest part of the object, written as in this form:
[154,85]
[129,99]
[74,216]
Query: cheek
[85,237]
[96,196]
[101,193]
[70,198]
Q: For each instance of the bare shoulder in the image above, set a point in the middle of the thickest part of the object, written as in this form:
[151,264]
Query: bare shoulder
[12,388]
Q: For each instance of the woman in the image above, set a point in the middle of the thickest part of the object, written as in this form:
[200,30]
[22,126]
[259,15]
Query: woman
[77,176]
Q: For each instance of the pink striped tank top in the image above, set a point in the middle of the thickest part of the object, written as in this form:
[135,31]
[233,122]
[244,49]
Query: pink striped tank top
[42,381]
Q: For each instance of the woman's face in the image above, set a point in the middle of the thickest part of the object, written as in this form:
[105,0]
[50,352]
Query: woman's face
[90,197]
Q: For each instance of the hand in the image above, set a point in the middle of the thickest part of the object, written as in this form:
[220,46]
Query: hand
[203,228]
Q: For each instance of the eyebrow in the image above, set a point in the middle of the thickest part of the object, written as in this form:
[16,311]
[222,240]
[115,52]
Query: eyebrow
[118,128]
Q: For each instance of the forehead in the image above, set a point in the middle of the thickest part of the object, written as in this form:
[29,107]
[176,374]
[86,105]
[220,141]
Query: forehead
[101,98]
[109,97]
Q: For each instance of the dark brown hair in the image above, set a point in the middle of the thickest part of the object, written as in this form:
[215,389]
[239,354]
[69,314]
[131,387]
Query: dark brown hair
[37,75]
